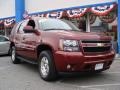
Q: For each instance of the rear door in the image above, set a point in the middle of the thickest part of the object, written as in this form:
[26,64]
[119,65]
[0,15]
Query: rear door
[19,39]
[26,42]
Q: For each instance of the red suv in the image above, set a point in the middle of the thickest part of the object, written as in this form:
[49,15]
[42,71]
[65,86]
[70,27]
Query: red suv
[59,46]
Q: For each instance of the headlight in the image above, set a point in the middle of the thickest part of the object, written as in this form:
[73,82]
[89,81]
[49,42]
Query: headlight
[69,45]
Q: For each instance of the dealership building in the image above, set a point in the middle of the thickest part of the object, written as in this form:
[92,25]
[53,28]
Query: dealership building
[89,15]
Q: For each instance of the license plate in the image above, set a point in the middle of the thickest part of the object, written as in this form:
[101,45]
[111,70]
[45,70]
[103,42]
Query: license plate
[99,66]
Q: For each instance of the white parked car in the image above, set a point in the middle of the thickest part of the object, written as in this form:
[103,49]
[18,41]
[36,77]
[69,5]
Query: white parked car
[4,45]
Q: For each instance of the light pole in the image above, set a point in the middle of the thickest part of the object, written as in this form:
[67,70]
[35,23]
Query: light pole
[119,26]
[19,9]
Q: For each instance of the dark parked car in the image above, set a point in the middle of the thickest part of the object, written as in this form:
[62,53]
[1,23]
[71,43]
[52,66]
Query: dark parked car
[59,46]
[4,45]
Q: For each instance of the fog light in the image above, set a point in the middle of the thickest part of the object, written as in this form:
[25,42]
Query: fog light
[68,66]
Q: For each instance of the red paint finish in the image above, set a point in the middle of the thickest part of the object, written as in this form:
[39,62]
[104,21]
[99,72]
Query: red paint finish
[91,51]
[79,62]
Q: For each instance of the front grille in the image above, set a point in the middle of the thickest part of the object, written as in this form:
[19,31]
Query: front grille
[95,41]
[96,45]
[96,49]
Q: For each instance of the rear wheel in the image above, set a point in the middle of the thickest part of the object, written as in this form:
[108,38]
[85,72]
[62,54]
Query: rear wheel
[46,66]
[14,56]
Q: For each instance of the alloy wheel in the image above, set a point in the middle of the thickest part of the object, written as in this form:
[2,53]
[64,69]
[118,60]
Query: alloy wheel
[44,66]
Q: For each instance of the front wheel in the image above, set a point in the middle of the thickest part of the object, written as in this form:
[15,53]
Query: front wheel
[46,66]
[14,58]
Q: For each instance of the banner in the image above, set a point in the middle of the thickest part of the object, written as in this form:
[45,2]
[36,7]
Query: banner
[25,15]
[109,18]
[102,10]
[55,14]
[92,18]
[74,13]
[8,22]
[77,12]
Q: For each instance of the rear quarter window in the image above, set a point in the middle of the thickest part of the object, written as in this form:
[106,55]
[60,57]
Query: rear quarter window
[15,28]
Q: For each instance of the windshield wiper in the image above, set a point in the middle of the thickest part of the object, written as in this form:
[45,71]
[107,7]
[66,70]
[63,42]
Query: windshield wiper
[54,29]
[60,29]
[49,29]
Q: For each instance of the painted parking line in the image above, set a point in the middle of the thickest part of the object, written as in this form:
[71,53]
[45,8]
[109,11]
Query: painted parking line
[90,88]
[87,86]
[76,86]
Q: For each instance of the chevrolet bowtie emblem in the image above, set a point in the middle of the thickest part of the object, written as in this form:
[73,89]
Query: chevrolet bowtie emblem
[100,44]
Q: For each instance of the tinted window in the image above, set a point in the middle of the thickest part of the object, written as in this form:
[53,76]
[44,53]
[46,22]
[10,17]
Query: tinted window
[53,24]
[20,30]
[15,28]
[3,39]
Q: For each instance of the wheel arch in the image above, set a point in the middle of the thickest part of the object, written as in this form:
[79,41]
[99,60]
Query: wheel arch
[10,47]
[12,44]
[43,47]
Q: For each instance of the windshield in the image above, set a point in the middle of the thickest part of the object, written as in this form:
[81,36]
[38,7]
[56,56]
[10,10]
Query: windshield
[57,24]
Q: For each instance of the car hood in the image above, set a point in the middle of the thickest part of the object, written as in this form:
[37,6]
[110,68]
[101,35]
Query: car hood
[80,35]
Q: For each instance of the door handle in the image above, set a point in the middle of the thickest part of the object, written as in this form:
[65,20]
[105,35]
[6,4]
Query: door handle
[23,38]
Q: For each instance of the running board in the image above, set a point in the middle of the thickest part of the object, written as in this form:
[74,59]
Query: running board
[28,61]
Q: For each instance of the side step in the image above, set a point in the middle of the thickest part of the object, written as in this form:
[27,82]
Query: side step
[28,61]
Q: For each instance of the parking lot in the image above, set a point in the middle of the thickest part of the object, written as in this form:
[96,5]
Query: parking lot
[25,76]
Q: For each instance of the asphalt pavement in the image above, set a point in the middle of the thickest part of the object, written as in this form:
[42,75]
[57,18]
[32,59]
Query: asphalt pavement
[25,76]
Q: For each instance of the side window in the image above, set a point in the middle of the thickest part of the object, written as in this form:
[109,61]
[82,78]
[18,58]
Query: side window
[5,39]
[15,28]
[20,30]
[40,25]
[2,39]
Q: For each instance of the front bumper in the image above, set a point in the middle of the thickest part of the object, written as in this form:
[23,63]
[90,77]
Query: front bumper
[76,61]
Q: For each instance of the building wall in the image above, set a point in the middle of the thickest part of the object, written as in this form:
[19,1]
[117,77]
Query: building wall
[7,8]
[33,6]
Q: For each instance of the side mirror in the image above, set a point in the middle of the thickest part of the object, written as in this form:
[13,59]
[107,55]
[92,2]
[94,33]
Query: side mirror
[29,29]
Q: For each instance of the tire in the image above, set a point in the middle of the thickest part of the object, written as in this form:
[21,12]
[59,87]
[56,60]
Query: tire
[14,58]
[100,71]
[46,65]
[9,52]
